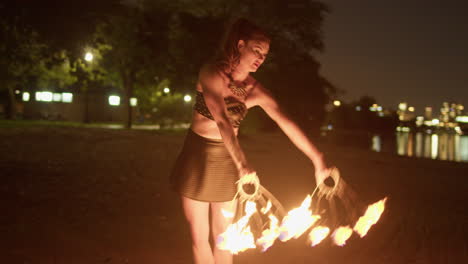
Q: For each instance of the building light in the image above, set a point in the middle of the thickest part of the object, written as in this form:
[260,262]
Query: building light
[67,97]
[17,91]
[166,90]
[379,108]
[411,109]
[381,114]
[44,96]
[114,100]
[402,106]
[358,108]
[462,119]
[336,103]
[26,97]
[187,98]
[57,97]
[133,101]
[435,121]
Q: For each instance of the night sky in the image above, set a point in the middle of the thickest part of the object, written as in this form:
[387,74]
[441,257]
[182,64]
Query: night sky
[399,50]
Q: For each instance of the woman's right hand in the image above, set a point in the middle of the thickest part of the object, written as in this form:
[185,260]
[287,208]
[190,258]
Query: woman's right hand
[246,170]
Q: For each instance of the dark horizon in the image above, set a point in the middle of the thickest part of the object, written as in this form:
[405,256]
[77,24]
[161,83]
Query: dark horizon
[398,51]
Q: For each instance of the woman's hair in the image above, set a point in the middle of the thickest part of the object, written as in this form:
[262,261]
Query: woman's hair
[227,57]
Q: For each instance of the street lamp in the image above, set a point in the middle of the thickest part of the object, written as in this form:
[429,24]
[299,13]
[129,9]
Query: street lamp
[88,56]
[187,98]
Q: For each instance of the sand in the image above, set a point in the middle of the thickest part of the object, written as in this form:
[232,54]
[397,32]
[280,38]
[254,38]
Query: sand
[88,195]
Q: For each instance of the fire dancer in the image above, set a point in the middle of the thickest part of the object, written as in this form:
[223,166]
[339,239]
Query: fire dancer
[212,160]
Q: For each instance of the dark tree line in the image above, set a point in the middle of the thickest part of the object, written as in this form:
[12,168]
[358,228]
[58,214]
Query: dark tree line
[141,45]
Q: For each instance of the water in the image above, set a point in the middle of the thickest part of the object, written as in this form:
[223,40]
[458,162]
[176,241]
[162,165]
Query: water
[442,146]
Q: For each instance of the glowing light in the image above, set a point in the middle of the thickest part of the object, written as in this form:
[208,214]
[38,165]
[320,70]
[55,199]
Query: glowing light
[133,101]
[238,237]
[57,97]
[402,106]
[297,221]
[336,103]
[17,91]
[370,217]
[166,90]
[435,122]
[462,119]
[114,100]
[26,97]
[411,109]
[269,235]
[187,98]
[67,97]
[358,108]
[342,234]
[89,56]
[318,234]
[44,96]
[434,145]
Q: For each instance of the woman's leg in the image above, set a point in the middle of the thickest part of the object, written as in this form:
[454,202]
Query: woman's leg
[219,224]
[197,214]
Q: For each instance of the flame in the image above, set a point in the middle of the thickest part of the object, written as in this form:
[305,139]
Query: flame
[372,215]
[269,235]
[238,237]
[342,234]
[318,234]
[297,221]
[227,214]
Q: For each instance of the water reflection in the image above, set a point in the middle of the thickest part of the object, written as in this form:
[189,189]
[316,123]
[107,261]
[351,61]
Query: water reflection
[443,146]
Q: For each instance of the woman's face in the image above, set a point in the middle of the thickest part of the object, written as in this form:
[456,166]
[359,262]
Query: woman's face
[252,54]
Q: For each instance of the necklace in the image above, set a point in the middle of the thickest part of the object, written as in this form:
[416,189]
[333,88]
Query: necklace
[235,89]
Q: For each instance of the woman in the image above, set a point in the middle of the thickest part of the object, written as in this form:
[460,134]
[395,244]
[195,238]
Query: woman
[212,160]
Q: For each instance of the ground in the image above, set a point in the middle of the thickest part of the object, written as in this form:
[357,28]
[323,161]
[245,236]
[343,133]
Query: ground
[91,195]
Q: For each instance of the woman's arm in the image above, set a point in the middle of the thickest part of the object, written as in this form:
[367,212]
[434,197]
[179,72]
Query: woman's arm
[212,83]
[263,98]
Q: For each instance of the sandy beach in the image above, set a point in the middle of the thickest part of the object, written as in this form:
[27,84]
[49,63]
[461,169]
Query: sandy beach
[89,195]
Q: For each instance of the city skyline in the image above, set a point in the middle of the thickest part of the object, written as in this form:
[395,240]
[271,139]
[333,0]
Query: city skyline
[398,51]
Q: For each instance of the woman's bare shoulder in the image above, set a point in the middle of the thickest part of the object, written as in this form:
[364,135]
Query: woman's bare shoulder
[210,72]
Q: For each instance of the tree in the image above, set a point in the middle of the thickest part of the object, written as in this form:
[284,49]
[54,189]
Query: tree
[22,58]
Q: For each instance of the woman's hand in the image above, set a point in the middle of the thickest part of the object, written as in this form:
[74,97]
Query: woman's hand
[321,171]
[245,170]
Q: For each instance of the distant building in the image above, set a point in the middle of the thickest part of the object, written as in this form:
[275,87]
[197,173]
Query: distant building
[105,106]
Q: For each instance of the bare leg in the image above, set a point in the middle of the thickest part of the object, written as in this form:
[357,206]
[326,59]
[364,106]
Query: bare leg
[197,214]
[219,224]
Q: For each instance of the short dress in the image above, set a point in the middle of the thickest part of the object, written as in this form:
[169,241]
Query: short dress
[204,169]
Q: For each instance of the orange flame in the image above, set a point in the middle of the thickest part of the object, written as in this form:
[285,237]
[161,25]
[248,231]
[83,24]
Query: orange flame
[342,234]
[372,215]
[269,235]
[318,234]
[297,221]
[238,237]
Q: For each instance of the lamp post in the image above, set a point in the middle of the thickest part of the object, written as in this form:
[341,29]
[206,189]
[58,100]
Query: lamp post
[89,58]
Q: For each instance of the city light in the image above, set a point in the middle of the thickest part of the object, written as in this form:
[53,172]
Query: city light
[17,91]
[44,96]
[26,97]
[114,100]
[336,103]
[187,98]
[402,106]
[411,109]
[462,119]
[166,90]
[358,108]
[67,97]
[88,56]
[133,101]
[57,97]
